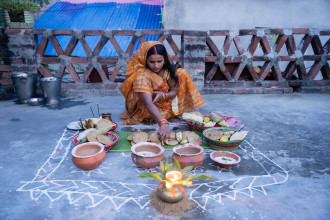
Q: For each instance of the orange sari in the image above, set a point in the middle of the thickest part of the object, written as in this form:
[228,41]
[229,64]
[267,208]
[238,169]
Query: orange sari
[138,78]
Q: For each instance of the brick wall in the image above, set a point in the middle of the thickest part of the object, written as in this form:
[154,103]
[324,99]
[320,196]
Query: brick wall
[193,43]
[22,46]
[6,85]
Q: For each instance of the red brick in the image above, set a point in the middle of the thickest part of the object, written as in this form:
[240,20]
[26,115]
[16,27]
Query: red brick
[5,68]
[13,31]
[63,32]
[186,39]
[5,75]
[6,82]
[219,32]
[194,67]
[16,61]
[300,31]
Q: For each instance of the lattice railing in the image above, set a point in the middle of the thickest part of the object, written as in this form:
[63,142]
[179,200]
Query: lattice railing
[280,60]
[271,54]
[94,61]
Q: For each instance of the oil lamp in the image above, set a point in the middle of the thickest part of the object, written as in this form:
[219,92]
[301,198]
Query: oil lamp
[172,177]
[171,190]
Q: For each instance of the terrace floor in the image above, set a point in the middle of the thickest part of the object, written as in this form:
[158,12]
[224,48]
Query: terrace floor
[284,172]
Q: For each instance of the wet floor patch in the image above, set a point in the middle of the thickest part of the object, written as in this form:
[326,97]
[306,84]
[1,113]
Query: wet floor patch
[15,119]
[64,103]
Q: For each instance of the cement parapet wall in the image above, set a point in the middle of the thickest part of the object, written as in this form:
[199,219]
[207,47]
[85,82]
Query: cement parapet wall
[209,62]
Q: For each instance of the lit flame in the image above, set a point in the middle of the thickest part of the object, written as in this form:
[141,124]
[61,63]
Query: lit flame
[172,177]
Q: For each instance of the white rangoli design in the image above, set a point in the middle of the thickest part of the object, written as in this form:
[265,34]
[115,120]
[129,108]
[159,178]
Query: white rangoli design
[120,193]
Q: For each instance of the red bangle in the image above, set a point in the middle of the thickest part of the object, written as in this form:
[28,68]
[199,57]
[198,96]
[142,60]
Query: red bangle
[163,121]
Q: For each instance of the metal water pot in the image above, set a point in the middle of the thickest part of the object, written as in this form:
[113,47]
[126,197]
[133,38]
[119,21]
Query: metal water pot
[51,88]
[25,85]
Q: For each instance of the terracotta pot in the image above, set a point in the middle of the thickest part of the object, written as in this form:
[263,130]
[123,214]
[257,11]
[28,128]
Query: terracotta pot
[173,195]
[88,156]
[188,155]
[233,158]
[147,154]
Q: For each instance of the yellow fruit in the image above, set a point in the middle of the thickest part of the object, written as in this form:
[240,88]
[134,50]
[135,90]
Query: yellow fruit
[206,119]
[224,139]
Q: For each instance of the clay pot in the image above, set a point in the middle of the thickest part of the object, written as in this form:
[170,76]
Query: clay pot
[172,195]
[188,155]
[147,154]
[233,158]
[88,156]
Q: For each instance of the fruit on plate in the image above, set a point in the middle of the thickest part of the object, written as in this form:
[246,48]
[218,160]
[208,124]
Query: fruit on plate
[210,124]
[89,123]
[197,113]
[95,123]
[238,136]
[83,136]
[206,119]
[219,120]
[226,135]
[224,138]
[192,118]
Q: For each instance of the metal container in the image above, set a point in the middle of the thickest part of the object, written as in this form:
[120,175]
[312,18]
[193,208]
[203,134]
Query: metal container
[35,101]
[25,85]
[51,88]
[107,116]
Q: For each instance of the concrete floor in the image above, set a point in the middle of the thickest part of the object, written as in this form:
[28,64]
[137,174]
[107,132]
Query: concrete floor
[284,173]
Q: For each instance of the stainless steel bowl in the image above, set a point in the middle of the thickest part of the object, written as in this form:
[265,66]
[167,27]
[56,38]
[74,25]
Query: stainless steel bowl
[35,101]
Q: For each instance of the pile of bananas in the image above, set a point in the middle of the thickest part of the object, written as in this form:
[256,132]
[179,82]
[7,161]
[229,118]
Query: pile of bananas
[199,119]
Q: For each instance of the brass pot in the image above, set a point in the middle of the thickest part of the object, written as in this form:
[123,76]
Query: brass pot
[172,195]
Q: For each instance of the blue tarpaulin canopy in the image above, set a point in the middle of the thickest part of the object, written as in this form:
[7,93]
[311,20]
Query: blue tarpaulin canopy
[99,16]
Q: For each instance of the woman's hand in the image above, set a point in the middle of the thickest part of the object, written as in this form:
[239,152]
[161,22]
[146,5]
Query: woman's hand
[157,96]
[164,132]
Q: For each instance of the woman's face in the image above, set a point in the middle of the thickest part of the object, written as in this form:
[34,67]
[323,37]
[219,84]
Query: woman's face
[155,62]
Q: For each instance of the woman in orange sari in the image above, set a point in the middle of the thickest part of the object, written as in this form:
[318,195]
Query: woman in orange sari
[155,90]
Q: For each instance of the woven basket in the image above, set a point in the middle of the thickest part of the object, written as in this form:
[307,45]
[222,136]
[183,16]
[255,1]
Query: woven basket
[221,145]
[196,127]
[112,135]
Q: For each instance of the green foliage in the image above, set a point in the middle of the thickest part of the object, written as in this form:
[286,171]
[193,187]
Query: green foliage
[191,177]
[187,169]
[273,37]
[15,7]
[175,166]
[42,2]
[152,175]
[50,69]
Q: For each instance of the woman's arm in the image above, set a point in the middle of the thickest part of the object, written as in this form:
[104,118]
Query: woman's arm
[164,129]
[158,95]
[173,89]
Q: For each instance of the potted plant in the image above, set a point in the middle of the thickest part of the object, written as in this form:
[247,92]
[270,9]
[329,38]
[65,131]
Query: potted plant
[173,177]
[18,14]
